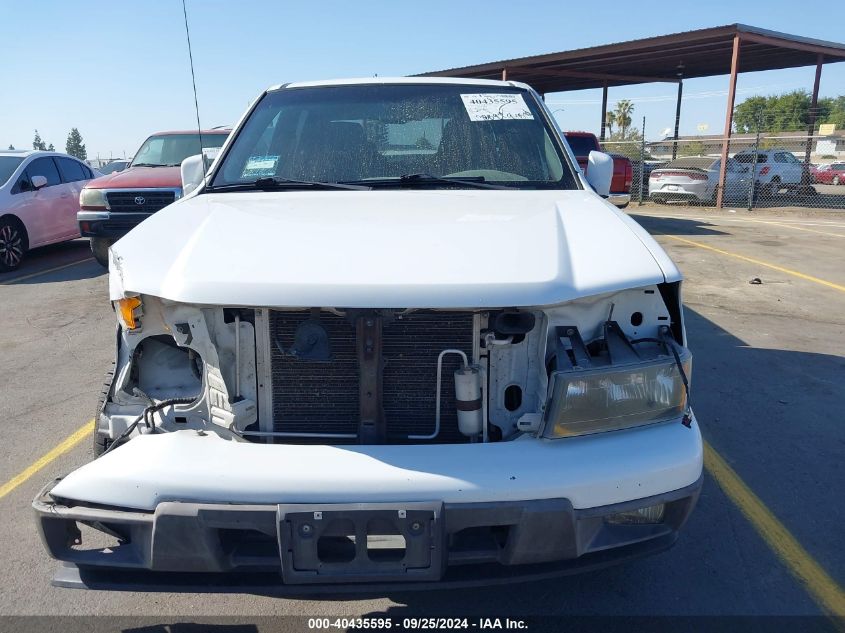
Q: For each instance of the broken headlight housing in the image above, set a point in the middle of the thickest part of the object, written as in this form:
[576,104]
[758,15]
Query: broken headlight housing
[616,397]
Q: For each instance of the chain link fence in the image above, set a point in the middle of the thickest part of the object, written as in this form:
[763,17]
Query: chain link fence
[765,169]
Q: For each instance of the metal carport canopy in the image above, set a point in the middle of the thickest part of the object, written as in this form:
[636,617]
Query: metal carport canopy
[668,58]
[700,53]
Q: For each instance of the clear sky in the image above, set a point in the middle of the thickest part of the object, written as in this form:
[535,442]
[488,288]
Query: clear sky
[119,70]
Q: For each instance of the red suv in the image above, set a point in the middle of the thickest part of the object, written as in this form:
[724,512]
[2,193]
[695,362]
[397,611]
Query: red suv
[112,205]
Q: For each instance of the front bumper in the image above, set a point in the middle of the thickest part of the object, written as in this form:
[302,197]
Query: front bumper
[106,224]
[452,542]
[189,502]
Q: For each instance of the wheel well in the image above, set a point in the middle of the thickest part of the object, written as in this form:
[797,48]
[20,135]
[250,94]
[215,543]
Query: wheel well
[13,218]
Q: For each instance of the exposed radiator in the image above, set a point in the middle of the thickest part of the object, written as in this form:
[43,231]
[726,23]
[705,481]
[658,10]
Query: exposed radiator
[322,397]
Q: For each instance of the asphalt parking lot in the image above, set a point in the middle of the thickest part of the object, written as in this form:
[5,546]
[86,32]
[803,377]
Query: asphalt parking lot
[768,390]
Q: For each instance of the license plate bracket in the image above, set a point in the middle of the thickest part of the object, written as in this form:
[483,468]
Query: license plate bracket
[374,542]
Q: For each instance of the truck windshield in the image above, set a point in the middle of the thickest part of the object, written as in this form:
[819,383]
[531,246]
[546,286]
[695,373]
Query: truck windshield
[169,150]
[403,135]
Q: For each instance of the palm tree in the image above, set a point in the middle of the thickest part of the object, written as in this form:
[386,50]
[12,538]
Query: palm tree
[609,122]
[624,108]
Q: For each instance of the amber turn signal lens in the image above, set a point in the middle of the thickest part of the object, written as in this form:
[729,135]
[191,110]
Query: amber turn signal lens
[126,312]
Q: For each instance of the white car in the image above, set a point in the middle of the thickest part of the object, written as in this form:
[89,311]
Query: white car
[775,169]
[696,178]
[39,200]
[394,335]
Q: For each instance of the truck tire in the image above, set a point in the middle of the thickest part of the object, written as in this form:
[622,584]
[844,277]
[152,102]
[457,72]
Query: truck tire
[102,441]
[100,250]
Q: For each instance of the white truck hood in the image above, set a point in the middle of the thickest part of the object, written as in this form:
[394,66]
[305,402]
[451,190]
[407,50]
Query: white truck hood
[388,249]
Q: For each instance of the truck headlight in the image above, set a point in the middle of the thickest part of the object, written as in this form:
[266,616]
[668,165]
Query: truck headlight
[613,398]
[93,200]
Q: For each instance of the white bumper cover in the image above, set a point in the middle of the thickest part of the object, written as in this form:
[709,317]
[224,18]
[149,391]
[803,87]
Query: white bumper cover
[589,471]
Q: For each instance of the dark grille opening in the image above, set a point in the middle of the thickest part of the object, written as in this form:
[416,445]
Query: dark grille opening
[411,347]
[119,225]
[139,201]
[249,548]
[314,397]
[322,397]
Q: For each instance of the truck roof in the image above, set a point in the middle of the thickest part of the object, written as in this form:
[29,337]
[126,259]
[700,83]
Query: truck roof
[402,80]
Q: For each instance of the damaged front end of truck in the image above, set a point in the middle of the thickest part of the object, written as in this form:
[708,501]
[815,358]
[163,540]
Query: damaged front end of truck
[385,386]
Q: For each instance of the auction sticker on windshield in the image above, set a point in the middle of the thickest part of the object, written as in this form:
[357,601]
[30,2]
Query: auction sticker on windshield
[260,166]
[496,107]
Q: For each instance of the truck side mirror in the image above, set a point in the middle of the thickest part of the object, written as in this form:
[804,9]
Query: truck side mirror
[193,173]
[600,172]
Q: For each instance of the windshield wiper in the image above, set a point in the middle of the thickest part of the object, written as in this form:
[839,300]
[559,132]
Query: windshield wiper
[423,179]
[147,165]
[274,183]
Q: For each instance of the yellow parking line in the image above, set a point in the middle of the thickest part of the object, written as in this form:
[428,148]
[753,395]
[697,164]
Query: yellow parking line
[824,589]
[789,226]
[794,273]
[15,280]
[67,444]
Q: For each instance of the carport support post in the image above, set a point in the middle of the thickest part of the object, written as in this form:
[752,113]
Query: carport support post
[729,119]
[603,111]
[677,118]
[811,123]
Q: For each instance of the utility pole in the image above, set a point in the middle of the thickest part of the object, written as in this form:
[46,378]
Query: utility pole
[642,164]
[753,186]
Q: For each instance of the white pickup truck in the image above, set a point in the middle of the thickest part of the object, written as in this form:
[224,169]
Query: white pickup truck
[393,334]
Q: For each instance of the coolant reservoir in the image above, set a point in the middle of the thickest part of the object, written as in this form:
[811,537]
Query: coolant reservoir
[468,400]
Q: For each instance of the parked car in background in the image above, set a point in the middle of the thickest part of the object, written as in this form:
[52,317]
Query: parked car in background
[695,178]
[111,206]
[582,143]
[814,169]
[394,335]
[648,167]
[114,166]
[776,169]
[834,174]
[39,198]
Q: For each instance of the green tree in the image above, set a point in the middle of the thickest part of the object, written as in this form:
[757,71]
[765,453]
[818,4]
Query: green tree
[630,145]
[37,143]
[789,112]
[609,122]
[74,145]
[694,148]
[50,148]
[622,116]
[11,146]
[832,110]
